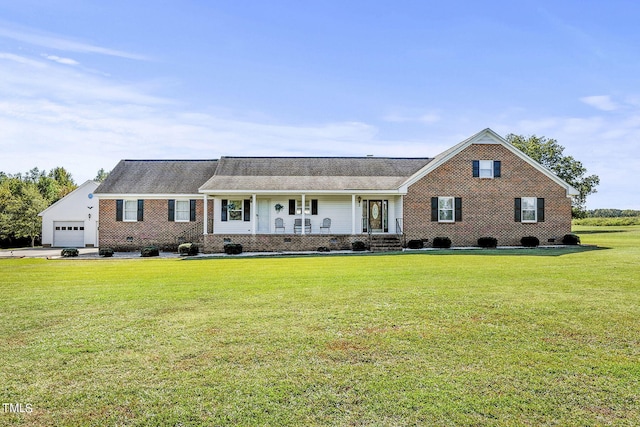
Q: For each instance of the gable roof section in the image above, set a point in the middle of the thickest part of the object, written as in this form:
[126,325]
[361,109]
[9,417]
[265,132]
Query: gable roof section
[320,174]
[157,177]
[88,183]
[486,136]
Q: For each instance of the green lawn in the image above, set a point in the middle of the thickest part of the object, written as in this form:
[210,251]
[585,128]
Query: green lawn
[529,337]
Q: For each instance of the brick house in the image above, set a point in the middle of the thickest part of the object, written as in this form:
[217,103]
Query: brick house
[481,187]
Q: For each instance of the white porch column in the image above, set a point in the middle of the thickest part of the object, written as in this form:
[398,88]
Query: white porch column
[206,219]
[254,217]
[353,214]
[302,231]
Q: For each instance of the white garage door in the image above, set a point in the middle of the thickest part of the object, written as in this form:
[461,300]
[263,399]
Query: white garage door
[68,234]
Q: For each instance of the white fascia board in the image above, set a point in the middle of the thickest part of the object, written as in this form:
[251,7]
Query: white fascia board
[110,196]
[294,192]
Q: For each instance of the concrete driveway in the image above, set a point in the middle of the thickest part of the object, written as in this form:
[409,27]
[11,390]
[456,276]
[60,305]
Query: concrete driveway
[54,253]
[41,252]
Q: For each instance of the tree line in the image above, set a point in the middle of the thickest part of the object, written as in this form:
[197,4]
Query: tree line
[24,195]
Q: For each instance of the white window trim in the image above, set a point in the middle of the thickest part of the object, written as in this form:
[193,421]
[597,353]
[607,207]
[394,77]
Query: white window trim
[175,212]
[229,210]
[535,210]
[124,210]
[490,168]
[307,206]
[453,209]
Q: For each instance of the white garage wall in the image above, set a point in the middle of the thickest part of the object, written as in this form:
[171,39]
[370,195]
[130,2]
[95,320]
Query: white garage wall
[76,206]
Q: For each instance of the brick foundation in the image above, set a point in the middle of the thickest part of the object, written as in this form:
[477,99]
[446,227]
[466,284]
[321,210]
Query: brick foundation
[281,242]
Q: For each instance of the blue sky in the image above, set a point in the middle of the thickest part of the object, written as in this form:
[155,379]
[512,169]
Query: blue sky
[84,84]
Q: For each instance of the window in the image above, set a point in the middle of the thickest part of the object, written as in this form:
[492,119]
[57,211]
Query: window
[529,209]
[130,210]
[234,210]
[182,210]
[310,206]
[487,168]
[446,209]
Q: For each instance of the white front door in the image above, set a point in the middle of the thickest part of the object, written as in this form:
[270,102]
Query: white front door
[263,216]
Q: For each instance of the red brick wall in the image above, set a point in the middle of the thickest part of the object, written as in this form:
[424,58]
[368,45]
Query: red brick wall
[155,229]
[281,242]
[487,204]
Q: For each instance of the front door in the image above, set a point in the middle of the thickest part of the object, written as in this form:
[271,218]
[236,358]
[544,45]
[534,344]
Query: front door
[263,216]
[375,215]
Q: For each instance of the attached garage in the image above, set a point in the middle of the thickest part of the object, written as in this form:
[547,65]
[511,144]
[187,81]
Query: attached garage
[68,234]
[73,220]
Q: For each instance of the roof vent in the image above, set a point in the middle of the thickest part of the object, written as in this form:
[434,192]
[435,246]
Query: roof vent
[369,155]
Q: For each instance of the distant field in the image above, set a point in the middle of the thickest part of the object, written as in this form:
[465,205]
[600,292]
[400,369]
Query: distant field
[498,338]
[618,221]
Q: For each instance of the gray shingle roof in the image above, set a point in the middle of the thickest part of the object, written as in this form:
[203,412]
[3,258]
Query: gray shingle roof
[312,173]
[157,177]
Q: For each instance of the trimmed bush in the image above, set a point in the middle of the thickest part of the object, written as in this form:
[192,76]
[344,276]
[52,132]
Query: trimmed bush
[150,251]
[358,246]
[442,242]
[233,248]
[415,244]
[487,242]
[188,249]
[69,252]
[105,252]
[571,239]
[530,241]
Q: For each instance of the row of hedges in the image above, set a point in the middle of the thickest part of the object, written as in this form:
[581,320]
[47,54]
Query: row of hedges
[492,242]
[149,251]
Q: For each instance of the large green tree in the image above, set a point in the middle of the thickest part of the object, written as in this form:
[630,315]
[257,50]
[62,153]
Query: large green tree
[550,154]
[24,196]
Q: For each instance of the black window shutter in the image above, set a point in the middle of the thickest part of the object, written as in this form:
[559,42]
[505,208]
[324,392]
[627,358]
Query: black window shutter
[223,215]
[476,168]
[119,209]
[497,168]
[434,209]
[140,210]
[192,210]
[517,209]
[314,206]
[458,207]
[540,207]
[247,210]
[292,207]
[171,207]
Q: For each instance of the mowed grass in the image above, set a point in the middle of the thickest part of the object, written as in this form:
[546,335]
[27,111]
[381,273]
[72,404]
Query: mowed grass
[529,337]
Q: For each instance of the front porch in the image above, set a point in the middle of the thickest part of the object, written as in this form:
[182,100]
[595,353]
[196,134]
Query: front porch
[328,215]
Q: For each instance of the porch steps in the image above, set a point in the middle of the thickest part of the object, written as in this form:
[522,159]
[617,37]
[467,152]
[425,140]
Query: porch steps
[387,243]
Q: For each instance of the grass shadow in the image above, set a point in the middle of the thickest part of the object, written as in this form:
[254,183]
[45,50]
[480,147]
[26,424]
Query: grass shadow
[545,251]
[599,231]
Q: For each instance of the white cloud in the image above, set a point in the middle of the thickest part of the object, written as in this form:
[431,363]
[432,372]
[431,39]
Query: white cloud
[66,61]
[601,102]
[55,41]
